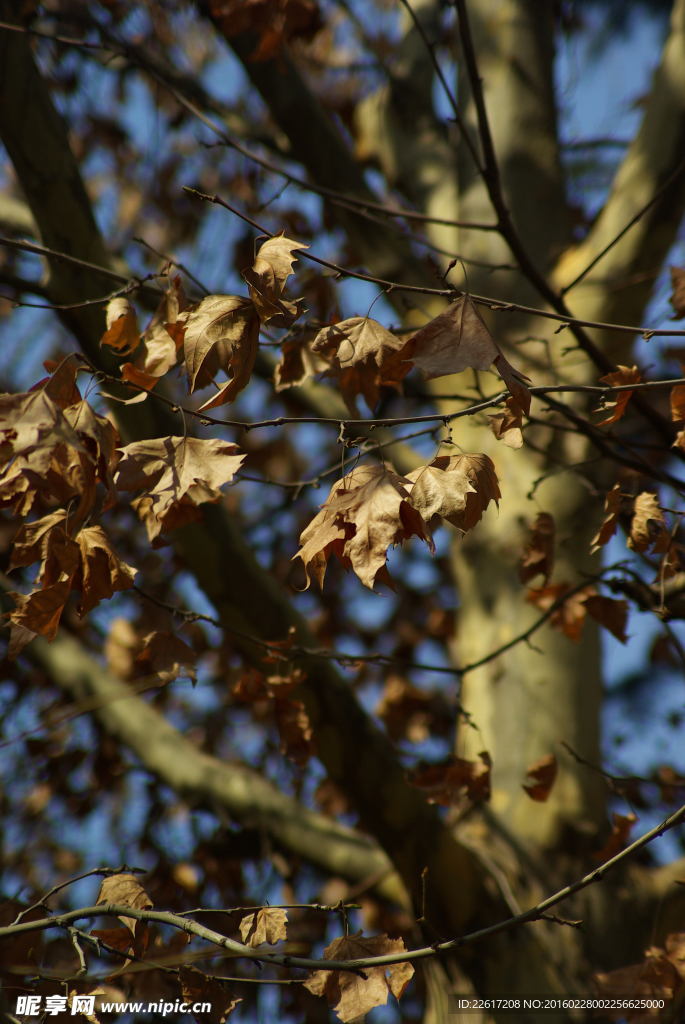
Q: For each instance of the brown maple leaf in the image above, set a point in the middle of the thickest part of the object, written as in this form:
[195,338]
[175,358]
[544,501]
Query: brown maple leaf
[569,617]
[125,890]
[506,425]
[39,612]
[159,350]
[465,498]
[294,730]
[170,469]
[610,613]
[677,298]
[538,557]
[33,425]
[410,713]
[624,375]
[541,777]
[60,386]
[102,573]
[458,338]
[267,925]
[167,656]
[678,400]
[447,783]
[199,990]
[220,333]
[122,332]
[267,277]
[353,995]
[623,823]
[608,528]
[365,513]
[648,526]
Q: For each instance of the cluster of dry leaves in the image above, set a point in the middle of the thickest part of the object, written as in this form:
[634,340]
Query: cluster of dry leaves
[351,994]
[661,975]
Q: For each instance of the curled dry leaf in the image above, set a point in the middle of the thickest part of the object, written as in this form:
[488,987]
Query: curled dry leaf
[170,469]
[624,375]
[459,488]
[569,617]
[39,612]
[447,783]
[60,386]
[366,512]
[159,348]
[32,425]
[267,277]
[649,525]
[220,333]
[197,988]
[623,823]
[102,572]
[411,713]
[538,558]
[454,340]
[610,613]
[506,425]
[607,530]
[267,925]
[353,995]
[166,655]
[294,730]
[122,332]
[541,776]
[126,890]
[677,298]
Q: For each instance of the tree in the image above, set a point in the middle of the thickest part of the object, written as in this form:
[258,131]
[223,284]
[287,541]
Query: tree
[151,574]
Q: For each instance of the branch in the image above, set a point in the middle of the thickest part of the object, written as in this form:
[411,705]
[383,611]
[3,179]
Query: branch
[535,913]
[206,781]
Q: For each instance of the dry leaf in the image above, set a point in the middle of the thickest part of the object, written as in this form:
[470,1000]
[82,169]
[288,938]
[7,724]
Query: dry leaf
[220,333]
[125,890]
[122,332]
[166,655]
[295,730]
[506,425]
[171,468]
[60,386]
[610,613]
[569,617]
[475,479]
[447,783]
[655,979]
[619,834]
[267,277]
[102,572]
[31,541]
[624,375]
[538,558]
[198,988]
[677,298]
[352,995]
[267,925]
[411,713]
[159,350]
[648,526]
[541,777]
[608,527]
[678,402]
[40,611]
[299,361]
[33,425]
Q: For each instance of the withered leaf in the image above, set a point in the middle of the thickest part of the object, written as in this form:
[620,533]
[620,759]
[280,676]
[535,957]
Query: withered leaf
[538,558]
[623,823]
[60,386]
[569,617]
[480,488]
[608,528]
[447,783]
[41,610]
[198,988]
[610,613]
[405,710]
[624,375]
[167,656]
[122,332]
[267,277]
[677,298]
[649,525]
[678,403]
[295,730]
[124,890]
[541,777]
[31,541]
[267,925]
[506,425]
[366,512]
[439,489]
[352,995]
[221,333]
[655,978]
[159,350]
[170,468]
[32,424]
[299,361]
[102,572]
